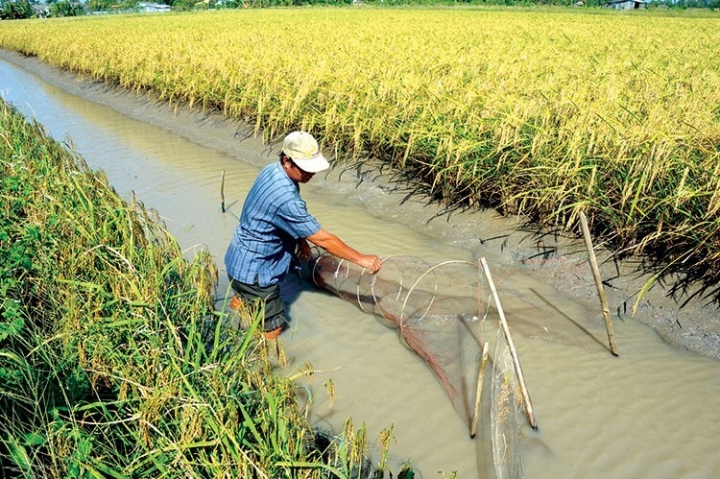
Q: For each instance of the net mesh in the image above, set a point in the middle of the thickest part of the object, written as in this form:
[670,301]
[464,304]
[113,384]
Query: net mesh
[442,313]
[505,411]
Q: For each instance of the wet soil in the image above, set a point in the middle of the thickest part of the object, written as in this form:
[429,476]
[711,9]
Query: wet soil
[684,320]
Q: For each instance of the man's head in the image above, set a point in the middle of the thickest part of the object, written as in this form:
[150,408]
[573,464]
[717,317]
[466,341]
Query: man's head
[304,152]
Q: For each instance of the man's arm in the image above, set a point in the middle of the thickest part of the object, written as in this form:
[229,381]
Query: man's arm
[336,247]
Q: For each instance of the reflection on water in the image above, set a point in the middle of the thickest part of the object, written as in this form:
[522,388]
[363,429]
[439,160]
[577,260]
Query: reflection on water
[650,413]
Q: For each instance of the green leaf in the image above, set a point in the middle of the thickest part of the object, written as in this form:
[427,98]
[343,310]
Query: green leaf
[34,439]
[18,455]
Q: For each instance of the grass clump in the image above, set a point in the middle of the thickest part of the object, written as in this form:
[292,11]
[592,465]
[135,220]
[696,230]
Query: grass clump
[113,360]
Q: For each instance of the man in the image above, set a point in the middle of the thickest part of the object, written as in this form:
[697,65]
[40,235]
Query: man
[275,226]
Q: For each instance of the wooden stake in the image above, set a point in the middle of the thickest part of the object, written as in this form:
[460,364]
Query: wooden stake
[598,284]
[484,345]
[478,392]
[222,191]
[511,345]
[480,314]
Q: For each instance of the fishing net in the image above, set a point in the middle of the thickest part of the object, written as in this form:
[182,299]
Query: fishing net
[505,411]
[444,314]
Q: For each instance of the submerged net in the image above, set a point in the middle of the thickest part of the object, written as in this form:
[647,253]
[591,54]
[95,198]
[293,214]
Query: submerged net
[505,412]
[442,313]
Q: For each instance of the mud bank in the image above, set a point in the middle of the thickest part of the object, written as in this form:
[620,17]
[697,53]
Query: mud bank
[693,324]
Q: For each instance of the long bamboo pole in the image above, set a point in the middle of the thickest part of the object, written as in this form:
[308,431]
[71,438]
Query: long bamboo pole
[598,284]
[511,345]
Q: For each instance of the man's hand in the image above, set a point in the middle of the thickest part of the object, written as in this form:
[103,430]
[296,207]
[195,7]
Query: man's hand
[371,262]
[303,252]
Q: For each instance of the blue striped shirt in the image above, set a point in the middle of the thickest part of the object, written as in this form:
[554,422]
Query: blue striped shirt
[273,218]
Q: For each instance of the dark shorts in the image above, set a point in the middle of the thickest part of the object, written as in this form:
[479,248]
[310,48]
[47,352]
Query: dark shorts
[270,295]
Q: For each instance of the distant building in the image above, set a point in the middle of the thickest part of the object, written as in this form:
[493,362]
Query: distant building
[153,7]
[625,4]
[41,10]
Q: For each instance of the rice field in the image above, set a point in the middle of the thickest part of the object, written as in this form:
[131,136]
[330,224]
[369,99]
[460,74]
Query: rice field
[544,113]
[113,360]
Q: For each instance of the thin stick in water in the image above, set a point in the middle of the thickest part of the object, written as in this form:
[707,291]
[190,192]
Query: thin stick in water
[598,284]
[484,344]
[478,392]
[511,345]
[222,191]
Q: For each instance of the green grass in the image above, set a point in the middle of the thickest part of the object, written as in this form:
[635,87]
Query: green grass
[113,359]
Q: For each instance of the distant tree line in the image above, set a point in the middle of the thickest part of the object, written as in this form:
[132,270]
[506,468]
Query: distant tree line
[16,10]
[714,4]
[21,9]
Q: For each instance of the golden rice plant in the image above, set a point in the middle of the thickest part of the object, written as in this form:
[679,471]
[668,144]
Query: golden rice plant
[539,112]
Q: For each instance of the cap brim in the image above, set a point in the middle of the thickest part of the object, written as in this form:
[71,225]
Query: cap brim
[314,165]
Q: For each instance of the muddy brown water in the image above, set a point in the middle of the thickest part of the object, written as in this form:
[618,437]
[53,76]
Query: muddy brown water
[652,412]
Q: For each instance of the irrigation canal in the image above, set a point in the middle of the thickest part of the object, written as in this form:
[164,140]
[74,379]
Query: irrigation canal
[652,412]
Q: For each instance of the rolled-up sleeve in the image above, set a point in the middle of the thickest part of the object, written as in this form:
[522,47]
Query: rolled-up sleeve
[294,218]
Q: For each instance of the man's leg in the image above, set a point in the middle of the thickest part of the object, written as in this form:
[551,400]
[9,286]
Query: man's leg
[275,320]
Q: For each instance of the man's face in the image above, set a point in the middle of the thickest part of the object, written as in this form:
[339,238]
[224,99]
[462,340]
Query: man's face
[295,172]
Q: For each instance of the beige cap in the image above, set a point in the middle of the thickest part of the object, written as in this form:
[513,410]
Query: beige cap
[303,148]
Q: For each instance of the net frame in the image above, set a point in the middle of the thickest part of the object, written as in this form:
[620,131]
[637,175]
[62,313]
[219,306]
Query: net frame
[504,384]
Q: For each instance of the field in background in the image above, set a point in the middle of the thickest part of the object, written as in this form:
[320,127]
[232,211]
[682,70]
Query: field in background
[540,112]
